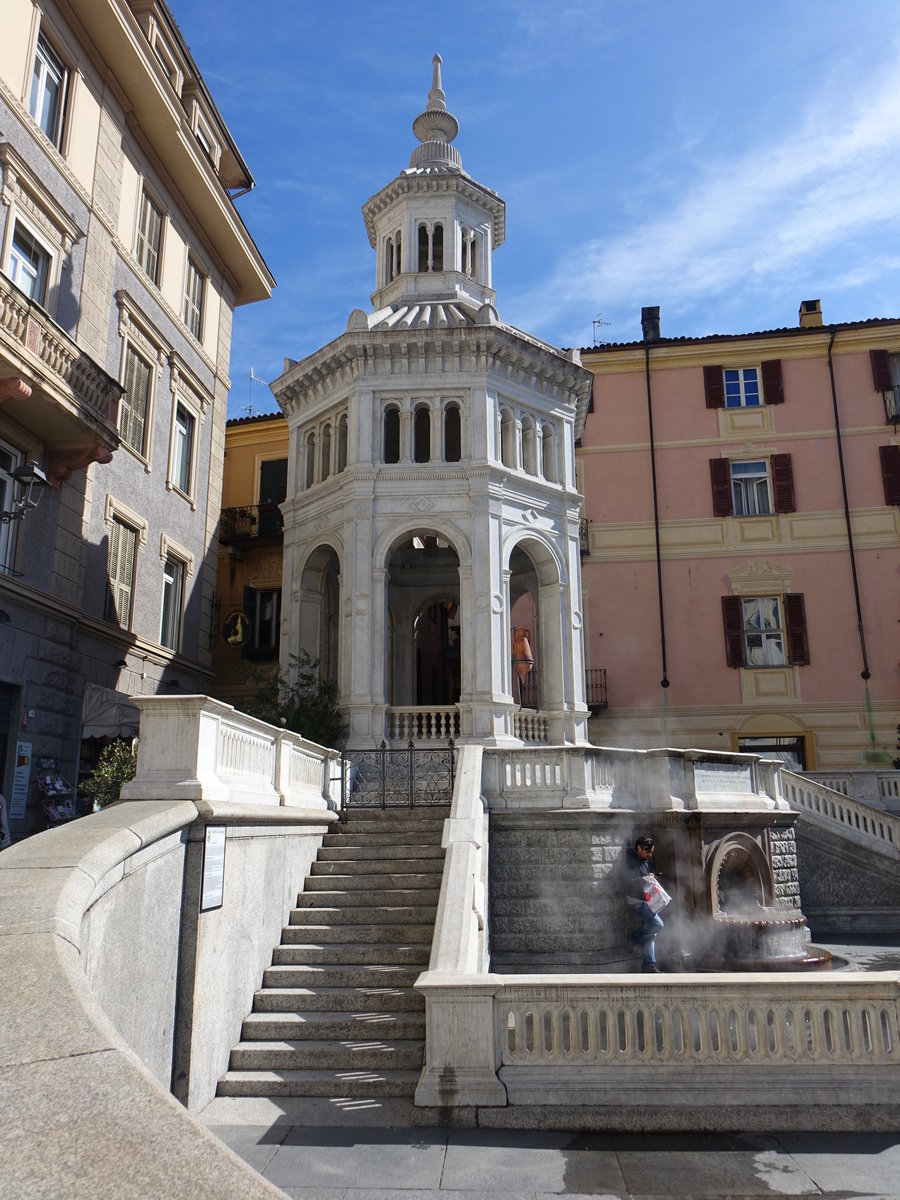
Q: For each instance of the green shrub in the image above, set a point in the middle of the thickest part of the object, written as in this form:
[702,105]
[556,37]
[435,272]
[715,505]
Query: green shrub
[117,764]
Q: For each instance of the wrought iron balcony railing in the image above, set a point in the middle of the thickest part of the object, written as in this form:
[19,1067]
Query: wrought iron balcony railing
[250,521]
[584,535]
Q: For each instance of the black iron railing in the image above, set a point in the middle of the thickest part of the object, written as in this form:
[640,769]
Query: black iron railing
[584,536]
[595,688]
[392,778]
[250,521]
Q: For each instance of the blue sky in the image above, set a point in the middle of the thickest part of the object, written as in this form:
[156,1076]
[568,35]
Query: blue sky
[724,161]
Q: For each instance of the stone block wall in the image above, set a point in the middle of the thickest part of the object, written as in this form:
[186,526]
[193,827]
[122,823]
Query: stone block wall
[555,895]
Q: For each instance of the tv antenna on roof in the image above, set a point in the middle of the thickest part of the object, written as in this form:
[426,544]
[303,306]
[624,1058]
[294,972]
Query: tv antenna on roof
[248,408]
[598,324]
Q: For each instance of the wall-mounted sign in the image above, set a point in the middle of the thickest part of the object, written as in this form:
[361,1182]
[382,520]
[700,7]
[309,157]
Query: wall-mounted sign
[212,889]
[18,799]
[236,629]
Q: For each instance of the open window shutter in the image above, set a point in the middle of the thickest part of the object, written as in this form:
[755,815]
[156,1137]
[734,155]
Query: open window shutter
[720,475]
[714,386]
[795,628]
[772,381]
[881,370]
[733,618]
[783,483]
[890,473]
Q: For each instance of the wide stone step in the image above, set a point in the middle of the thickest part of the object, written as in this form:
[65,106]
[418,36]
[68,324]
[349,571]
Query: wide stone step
[405,838]
[284,998]
[360,882]
[348,1085]
[299,951]
[399,853]
[291,975]
[357,914]
[300,1026]
[346,1055]
[377,898]
[306,925]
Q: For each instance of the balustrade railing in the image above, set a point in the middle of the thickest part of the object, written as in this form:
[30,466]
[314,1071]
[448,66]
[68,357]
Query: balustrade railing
[420,724]
[250,521]
[531,725]
[806,795]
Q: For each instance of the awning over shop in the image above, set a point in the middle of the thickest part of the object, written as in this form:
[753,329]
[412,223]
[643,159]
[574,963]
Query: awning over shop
[108,714]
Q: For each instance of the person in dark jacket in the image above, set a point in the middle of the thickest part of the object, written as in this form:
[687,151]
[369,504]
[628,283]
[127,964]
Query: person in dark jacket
[638,863]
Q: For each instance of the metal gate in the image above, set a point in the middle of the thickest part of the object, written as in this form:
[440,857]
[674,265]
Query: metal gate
[394,778]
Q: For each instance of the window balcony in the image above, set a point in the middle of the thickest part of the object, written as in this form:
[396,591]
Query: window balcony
[595,689]
[50,387]
[249,521]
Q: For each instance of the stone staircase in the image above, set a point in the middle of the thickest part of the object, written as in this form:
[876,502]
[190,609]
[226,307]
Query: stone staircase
[337,1015]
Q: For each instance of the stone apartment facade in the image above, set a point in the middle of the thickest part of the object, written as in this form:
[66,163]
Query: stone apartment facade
[740,552]
[122,259]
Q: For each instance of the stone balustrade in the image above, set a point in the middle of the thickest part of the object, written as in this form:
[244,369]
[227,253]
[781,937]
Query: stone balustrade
[876,828]
[531,725]
[197,748]
[423,724]
[881,789]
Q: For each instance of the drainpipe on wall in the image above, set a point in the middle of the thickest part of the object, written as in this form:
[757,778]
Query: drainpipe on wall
[650,329]
[865,673]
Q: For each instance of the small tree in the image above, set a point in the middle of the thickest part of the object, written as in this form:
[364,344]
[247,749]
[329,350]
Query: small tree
[298,699]
[116,765]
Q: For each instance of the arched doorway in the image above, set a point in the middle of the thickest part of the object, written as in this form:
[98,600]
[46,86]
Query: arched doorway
[535,600]
[437,638]
[319,609]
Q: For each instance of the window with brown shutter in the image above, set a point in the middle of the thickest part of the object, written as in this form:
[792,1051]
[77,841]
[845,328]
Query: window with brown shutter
[881,370]
[720,476]
[795,628]
[890,473]
[714,387]
[772,381]
[783,483]
[733,620]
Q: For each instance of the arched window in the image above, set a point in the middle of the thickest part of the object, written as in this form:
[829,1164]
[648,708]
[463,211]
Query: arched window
[398,261]
[452,434]
[326,453]
[342,444]
[310,459]
[392,434]
[389,260]
[422,434]
[507,438]
[423,248]
[528,447]
[437,248]
[548,454]
[469,253]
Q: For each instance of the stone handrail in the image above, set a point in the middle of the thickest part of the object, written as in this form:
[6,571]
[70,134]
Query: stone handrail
[878,788]
[872,826]
[115,985]
[419,724]
[197,748]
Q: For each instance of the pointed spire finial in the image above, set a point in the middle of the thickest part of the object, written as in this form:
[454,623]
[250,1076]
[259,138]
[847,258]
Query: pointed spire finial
[435,127]
[436,97]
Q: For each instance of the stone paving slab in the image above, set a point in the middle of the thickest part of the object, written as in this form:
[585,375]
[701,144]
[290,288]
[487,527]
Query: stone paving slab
[322,1163]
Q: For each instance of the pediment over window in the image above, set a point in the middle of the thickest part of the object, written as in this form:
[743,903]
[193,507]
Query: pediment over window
[760,576]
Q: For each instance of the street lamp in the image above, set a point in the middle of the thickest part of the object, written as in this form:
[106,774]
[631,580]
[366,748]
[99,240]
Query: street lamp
[28,478]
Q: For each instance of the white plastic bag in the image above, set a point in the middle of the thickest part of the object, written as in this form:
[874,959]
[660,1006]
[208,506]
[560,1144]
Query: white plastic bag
[655,894]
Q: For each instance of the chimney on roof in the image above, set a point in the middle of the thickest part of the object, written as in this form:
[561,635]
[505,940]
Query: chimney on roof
[810,313]
[650,324]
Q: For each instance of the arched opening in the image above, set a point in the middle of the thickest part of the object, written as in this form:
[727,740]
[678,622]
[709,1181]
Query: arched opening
[422,434]
[423,602]
[437,248]
[536,608]
[423,248]
[319,609]
[507,438]
[392,434]
[528,446]
[310,473]
[389,260]
[342,445]
[452,434]
[398,259]
[326,453]
[548,454]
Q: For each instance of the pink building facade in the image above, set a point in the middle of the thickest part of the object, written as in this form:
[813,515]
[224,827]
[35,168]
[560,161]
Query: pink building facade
[741,545]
